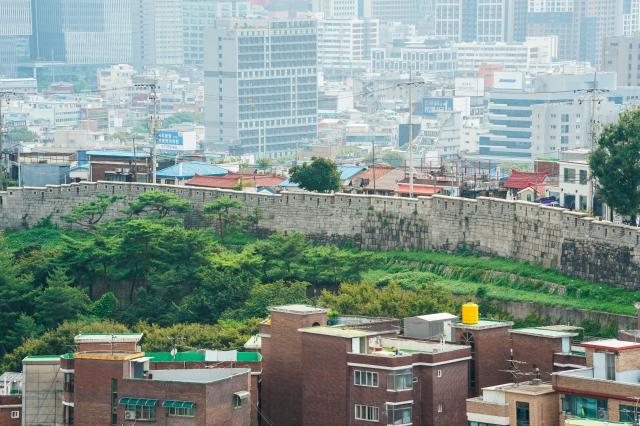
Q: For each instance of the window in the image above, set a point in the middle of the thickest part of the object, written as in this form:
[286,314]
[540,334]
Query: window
[399,414]
[569,175]
[629,413]
[589,408]
[440,408]
[69,379]
[367,412]
[583,177]
[610,365]
[16,414]
[366,378]
[522,413]
[144,412]
[400,380]
[582,203]
[186,411]
[439,374]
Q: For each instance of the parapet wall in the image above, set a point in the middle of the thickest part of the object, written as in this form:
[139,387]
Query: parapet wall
[552,237]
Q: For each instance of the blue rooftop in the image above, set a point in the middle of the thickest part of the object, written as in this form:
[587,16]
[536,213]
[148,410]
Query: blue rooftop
[116,153]
[288,184]
[187,170]
[348,172]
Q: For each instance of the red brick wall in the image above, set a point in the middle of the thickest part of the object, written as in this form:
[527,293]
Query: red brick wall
[6,408]
[92,390]
[450,390]
[492,349]
[325,379]
[108,347]
[536,351]
[282,373]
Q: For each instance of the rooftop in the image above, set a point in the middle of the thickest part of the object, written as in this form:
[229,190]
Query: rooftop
[199,375]
[45,359]
[189,169]
[611,344]
[542,332]
[398,346]
[108,338]
[117,153]
[521,180]
[348,172]
[345,332]
[484,324]
[442,316]
[525,388]
[298,309]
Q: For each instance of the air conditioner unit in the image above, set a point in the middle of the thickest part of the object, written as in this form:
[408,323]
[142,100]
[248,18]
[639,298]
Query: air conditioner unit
[129,415]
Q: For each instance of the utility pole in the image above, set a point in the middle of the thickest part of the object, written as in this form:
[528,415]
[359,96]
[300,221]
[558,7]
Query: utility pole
[594,125]
[410,133]
[153,125]
[3,95]
[373,148]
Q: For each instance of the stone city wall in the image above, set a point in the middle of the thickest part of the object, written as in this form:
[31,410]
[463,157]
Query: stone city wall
[553,237]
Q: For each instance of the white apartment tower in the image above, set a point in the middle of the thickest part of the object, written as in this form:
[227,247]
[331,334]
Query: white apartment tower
[261,93]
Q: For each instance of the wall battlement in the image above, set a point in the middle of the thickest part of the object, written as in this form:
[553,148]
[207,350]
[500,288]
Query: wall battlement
[553,237]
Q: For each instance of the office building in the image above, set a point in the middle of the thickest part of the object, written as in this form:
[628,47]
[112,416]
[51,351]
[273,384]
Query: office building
[416,56]
[605,390]
[261,85]
[342,9]
[158,36]
[363,371]
[197,15]
[561,18]
[344,46]
[509,56]
[15,32]
[622,56]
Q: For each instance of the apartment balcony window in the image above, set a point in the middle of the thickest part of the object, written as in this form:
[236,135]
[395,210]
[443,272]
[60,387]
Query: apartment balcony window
[399,414]
[400,380]
[366,378]
[522,413]
[585,407]
[367,413]
[69,380]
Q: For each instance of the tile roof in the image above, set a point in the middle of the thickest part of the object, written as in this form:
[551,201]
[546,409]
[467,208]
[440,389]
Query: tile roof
[403,188]
[187,170]
[521,180]
[232,180]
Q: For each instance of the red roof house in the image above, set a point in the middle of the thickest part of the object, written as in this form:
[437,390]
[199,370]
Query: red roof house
[235,180]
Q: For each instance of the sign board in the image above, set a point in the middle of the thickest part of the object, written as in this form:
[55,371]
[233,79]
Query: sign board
[176,141]
[469,86]
[431,106]
[509,80]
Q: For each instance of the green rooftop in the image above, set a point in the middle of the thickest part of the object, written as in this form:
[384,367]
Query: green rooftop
[42,358]
[198,357]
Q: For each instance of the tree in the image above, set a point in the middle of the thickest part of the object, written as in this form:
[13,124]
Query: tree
[390,301]
[161,203]
[105,307]
[221,210]
[21,134]
[88,214]
[393,158]
[271,294]
[283,255]
[328,265]
[615,164]
[320,176]
[59,301]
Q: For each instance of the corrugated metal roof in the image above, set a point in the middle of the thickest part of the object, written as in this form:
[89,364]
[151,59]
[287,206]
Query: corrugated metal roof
[348,172]
[117,153]
[187,170]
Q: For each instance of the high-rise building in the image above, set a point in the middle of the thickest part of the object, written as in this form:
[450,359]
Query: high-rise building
[15,31]
[602,19]
[344,46]
[261,92]
[485,21]
[197,15]
[157,32]
[342,9]
[622,56]
[561,18]
[81,31]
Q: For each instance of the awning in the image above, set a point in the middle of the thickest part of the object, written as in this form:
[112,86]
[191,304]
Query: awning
[242,394]
[178,404]
[138,401]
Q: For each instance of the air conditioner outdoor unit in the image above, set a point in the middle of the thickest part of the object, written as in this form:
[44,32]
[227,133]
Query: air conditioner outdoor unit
[129,415]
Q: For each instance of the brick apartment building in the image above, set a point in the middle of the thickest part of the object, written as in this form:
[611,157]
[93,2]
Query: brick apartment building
[119,166]
[519,404]
[10,399]
[357,373]
[606,390]
[109,381]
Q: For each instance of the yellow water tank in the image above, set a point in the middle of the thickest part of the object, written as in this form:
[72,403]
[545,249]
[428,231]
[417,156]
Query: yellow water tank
[469,313]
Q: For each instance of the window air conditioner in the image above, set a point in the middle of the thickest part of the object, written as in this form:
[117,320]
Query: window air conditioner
[129,415]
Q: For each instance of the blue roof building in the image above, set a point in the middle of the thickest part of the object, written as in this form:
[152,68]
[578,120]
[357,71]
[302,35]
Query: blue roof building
[349,172]
[187,170]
